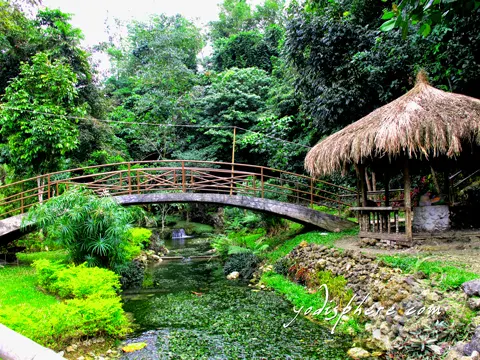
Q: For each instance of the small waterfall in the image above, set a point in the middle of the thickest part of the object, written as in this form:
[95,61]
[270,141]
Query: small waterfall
[179,234]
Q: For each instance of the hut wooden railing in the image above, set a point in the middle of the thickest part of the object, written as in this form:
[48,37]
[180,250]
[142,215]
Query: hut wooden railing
[141,177]
[382,223]
[384,216]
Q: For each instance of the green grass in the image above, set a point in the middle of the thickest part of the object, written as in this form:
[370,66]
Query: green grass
[18,287]
[314,237]
[447,274]
[300,297]
[57,255]
[52,322]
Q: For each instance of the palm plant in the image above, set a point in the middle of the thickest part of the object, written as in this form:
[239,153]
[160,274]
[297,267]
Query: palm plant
[94,229]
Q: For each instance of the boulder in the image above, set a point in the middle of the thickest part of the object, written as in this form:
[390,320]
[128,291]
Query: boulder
[472,287]
[233,275]
[474,303]
[358,353]
[474,344]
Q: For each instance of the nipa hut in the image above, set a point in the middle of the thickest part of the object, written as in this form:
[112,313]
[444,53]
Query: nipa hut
[425,124]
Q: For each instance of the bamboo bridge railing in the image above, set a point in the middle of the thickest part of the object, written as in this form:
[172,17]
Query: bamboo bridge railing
[140,177]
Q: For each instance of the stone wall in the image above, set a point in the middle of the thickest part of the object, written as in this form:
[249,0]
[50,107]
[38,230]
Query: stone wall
[387,288]
[431,218]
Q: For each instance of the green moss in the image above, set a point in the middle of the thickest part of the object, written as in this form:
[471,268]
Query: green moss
[301,298]
[448,275]
[193,227]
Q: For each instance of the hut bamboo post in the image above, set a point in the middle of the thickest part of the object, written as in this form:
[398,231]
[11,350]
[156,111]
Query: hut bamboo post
[387,188]
[435,181]
[387,199]
[407,200]
[363,186]
[446,186]
[367,180]
[360,169]
[233,157]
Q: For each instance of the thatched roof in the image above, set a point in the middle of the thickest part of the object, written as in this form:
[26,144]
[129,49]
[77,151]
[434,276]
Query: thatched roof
[425,121]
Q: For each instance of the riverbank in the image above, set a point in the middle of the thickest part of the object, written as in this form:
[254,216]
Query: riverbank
[412,285]
[185,300]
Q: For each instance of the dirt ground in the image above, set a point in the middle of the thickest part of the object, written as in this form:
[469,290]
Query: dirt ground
[464,252]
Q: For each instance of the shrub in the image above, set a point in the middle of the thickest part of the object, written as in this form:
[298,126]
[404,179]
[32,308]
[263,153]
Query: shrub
[47,272]
[132,275]
[137,240]
[36,242]
[140,236]
[59,324]
[76,281]
[282,265]
[240,242]
[244,263]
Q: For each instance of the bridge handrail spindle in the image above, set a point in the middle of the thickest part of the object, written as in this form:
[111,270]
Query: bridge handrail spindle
[311,192]
[231,179]
[138,181]
[129,180]
[48,186]
[262,181]
[183,177]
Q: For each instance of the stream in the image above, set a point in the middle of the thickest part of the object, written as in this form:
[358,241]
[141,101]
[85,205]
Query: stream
[188,310]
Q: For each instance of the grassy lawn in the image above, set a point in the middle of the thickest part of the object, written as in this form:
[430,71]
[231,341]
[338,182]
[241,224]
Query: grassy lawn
[29,258]
[447,275]
[314,237]
[18,287]
[299,296]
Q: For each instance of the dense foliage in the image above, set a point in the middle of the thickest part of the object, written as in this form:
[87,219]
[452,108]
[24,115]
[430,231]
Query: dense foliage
[295,72]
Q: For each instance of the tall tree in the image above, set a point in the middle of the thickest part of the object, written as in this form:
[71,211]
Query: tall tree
[154,73]
[34,117]
[50,31]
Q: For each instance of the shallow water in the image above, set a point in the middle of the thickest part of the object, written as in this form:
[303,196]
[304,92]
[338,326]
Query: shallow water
[188,310]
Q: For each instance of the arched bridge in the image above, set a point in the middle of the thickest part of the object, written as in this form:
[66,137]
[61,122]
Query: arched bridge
[289,195]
